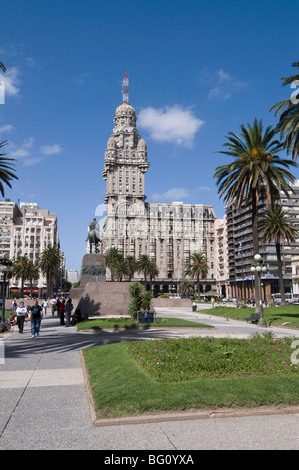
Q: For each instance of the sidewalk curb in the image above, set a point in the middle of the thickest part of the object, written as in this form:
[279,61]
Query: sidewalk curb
[205,413]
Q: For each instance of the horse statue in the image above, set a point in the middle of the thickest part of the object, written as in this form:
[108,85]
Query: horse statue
[93,236]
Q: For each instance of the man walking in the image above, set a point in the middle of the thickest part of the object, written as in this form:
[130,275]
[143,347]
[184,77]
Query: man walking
[68,311]
[36,317]
[53,305]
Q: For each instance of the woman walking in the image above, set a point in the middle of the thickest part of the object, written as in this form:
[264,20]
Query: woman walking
[61,311]
[21,315]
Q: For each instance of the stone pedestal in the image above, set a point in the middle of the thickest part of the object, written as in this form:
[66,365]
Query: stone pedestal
[95,296]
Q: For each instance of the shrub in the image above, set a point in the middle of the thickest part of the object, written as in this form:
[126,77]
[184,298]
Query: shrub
[140,299]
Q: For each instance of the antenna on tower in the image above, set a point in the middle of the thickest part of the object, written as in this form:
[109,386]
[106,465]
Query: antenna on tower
[125,87]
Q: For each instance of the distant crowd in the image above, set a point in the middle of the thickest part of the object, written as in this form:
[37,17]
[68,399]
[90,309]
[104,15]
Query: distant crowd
[35,313]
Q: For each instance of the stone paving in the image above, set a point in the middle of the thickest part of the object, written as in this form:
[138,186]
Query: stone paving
[45,403]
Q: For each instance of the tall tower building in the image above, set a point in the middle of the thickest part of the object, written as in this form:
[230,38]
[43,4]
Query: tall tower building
[167,233]
[125,158]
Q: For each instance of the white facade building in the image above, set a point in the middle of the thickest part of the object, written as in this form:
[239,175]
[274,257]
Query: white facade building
[26,230]
[167,233]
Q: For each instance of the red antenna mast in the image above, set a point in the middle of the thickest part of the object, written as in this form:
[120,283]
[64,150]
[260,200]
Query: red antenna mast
[125,87]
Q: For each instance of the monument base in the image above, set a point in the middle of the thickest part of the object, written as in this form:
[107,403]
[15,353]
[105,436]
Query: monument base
[95,296]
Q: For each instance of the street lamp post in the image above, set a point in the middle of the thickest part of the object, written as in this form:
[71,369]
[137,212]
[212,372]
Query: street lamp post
[5,267]
[259,267]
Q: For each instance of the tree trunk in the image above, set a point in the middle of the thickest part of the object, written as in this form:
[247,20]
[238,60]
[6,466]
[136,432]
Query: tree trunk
[280,274]
[50,285]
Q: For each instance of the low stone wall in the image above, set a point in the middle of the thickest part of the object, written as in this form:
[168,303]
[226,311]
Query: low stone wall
[171,302]
[107,298]
[102,298]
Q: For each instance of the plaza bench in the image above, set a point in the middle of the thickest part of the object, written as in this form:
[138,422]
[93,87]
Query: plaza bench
[254,318]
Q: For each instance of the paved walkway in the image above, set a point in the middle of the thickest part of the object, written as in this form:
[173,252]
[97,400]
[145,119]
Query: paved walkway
[45,403]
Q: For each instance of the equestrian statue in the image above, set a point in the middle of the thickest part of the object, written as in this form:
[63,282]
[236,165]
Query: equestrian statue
[93,236]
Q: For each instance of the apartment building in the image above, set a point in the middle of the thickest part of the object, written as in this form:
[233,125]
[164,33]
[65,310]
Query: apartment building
[221,258]
[240,252]
[26,230]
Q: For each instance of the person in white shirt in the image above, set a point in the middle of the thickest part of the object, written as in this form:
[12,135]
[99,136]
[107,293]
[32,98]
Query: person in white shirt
[45,306]
[21,315]
[53,305]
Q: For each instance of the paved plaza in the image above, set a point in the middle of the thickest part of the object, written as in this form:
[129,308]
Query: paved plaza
[45,399]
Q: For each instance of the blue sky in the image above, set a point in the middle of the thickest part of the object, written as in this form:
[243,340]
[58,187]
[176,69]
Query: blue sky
[197,70]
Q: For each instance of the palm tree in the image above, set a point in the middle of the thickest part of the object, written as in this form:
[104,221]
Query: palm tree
[2,67]
[276,227]
[140,299]
[255,171]
[33,274]
[131,263]
[112,258]
[154,271]
[49,264]
[186,286]
[145,301]
[288,124]
[147,266]
[21,270]
[198,268]
[7,171]
[120,268]
[135,290]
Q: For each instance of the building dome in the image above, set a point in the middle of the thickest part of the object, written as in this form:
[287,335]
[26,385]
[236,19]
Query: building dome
[125,109]
[125,116]
[111,142]
[141,145]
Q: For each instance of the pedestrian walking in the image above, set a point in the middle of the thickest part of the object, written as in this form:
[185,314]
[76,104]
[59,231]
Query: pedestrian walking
[68,311]
[58,302]
[21,315]
[36,315]
[45,306]
[62,311]
[53,305]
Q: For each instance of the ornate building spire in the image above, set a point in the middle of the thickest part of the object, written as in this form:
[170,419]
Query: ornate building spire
[126,156]
[125,87]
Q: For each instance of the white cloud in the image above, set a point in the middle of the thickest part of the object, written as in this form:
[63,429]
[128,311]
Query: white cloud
[29,155]
[203,188]
[178,194]
[28,143]
[173,124]
[11,80]
[174,194]
[6,129]
[23,150]
[32,161]
[222,84]
[51,149]
[81,77]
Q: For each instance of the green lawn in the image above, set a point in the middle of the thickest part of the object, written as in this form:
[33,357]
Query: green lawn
[130,378]
[128,323]
[274,315]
